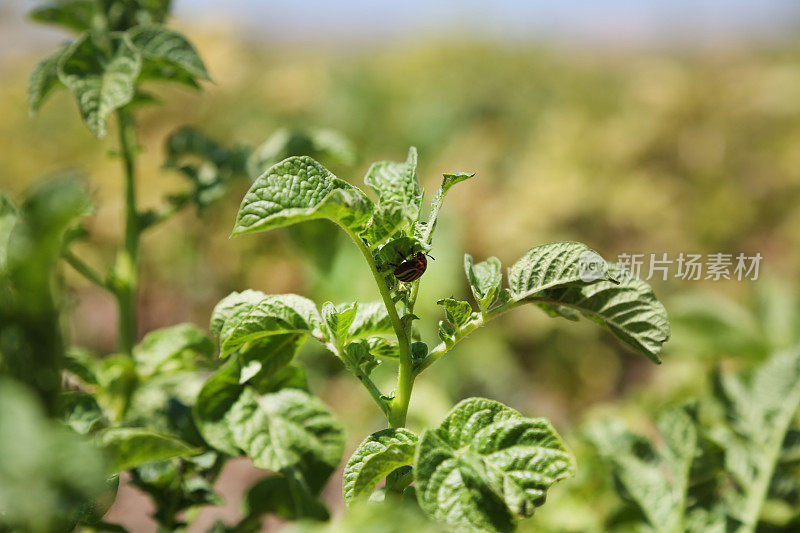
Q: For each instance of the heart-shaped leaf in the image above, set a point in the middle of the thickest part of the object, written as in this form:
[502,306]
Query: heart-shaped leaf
[487,465]
[375,458]
[298,189]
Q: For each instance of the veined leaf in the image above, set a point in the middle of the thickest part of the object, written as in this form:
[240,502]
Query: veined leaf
[436,205]
[81,412]
[283,497]
[371,319]
[387,219]
[268,355]
[291,376]
[657,480]
[628,308]
[549,266]
[316,143]
[382,348]
[219,393]
[458,311]
[298,189]
[487,465]
[397,183]
[485,280]
[75,15]
[288,431]
[375,458]
[338,321]
[166,51]
[172,348]
[233,308]
[131,447]
[759,412]
[272,315]
[43,79]
[100,85]
[358,353]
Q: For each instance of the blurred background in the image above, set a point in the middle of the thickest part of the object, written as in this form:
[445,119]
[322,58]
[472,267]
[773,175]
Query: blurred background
[636,127]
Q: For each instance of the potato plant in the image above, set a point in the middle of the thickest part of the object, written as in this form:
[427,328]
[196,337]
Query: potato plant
[169,412]
[486,466]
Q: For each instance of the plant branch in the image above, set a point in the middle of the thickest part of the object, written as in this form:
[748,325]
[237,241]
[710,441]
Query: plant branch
[125,269]
[362,376]
[444,347]
[84,269]
[405,377]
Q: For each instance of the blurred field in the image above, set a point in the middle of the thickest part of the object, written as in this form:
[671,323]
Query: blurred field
[627,151]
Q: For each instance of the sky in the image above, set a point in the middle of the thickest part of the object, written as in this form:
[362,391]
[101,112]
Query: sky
[581,23]
[593,22]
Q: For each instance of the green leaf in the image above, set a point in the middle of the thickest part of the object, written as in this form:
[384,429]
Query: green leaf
[358,353]
[131,447]
[43,79]
[316,143]
[487,465]
[100,85]
[8,217]
[387,219]
[291,376]
[172,349]
[298,189]
[628,308]
[165,51]
[371,319]
[657,480]
[75,15]
[272,315]
[283,497]
[758,413]
[375,458]
[31,340]
[397,183]
[436,205]
[233,307]
[398,250]
[382,348]
[81,412]
[338,321]
[220,391]
[485,280]
[266,356]
[290,432]
[47,473]
[549,266]
[458,311]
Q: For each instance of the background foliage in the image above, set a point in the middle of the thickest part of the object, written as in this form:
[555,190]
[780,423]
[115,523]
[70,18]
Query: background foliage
[628,152]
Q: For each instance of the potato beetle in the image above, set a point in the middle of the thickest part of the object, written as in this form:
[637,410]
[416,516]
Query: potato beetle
[411,269]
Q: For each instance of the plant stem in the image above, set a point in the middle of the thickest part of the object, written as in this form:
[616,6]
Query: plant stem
[125,269]
[444,347]
[405,377]
[362,376]
[82,268]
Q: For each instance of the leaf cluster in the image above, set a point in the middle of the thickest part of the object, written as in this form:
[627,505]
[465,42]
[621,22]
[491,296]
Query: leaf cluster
[727,462]
[119,45]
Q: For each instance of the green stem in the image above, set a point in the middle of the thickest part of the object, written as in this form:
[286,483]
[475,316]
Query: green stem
[125,270]
[405,376]
[82,268]
[362,376]
[444,347]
